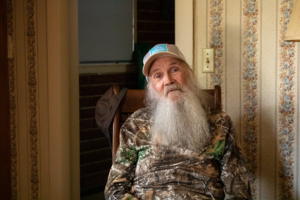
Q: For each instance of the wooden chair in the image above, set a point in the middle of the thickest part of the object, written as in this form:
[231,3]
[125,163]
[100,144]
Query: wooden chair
[134,100]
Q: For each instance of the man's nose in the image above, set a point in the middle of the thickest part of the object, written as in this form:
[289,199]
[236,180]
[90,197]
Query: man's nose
[169,80]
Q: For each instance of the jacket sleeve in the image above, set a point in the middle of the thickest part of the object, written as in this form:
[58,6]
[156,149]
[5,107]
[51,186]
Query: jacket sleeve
[234,174]
[123,169]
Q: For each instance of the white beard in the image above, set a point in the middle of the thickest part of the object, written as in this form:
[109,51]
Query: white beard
[181,122]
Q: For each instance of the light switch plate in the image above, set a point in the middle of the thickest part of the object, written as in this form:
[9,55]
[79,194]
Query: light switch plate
[208,61]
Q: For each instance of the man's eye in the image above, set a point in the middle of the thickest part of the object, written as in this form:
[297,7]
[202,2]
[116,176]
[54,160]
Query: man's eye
[174,70]
[157,76]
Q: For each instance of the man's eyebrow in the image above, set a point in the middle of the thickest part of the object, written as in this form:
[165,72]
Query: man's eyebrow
[157,69]
[154,71]
[174,63]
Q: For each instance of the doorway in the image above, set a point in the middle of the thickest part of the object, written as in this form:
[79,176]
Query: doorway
[154,23]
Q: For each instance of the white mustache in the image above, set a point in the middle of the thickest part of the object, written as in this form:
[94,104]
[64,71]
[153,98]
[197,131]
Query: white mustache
[169,88]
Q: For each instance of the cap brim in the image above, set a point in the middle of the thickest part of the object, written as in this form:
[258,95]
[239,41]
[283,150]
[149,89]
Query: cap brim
[151,59]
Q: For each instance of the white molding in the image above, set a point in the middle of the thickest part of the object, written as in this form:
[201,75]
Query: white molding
[184,28]
[58,57]
[74,101]
[41,36]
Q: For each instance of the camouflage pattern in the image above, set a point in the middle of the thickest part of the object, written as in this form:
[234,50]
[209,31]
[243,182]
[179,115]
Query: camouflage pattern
[146,171]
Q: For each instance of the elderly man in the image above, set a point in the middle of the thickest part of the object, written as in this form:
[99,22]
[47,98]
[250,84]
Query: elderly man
[176,147]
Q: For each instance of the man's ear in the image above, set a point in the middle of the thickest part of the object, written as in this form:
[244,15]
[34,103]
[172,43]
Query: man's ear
[148,86]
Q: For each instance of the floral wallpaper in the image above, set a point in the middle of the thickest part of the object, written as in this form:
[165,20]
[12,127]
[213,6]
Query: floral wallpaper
[12,100]
[216,41]
[259,75]
[286,105]
[31,115]
[250,90]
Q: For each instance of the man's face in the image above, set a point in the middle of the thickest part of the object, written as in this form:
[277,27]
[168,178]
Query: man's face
[165,74]
[174,98]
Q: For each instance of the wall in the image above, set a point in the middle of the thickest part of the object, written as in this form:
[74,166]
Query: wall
[152,27]
[259,76]
[95,152]
[44,98]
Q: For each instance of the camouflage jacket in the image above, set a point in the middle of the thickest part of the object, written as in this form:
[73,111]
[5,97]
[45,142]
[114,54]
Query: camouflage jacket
[144,171]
